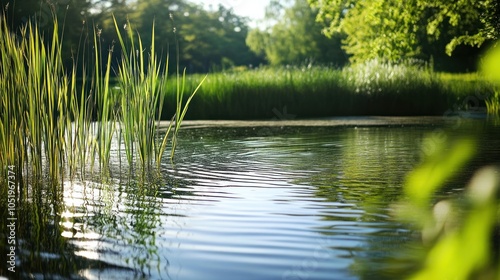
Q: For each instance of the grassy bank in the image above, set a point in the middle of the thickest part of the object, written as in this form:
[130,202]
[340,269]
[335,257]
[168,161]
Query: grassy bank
[371,89]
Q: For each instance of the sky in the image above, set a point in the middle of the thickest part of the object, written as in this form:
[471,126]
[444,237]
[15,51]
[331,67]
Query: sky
[254,9]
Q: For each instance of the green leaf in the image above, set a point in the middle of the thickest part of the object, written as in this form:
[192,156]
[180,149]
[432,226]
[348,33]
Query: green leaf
[437,169]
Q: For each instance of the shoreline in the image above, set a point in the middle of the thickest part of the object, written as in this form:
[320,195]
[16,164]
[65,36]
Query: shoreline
[328,122]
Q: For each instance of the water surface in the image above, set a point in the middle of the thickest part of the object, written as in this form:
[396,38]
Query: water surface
[264,202]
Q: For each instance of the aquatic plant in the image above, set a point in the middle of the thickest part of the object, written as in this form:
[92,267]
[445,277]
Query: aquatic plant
[52,121]
[35,96]
[493,104]
[142,84]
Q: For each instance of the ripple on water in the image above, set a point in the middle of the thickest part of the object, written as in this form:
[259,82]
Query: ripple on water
[304,205]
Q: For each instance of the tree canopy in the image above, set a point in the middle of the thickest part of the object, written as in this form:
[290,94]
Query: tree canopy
[69,13]
[396,30]
[295,37]
[208,39]
[328,32]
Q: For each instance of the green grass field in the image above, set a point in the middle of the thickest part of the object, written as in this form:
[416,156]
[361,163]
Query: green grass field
[371,89]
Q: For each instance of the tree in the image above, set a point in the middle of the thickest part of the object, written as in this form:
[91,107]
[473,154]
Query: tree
[380,28]
[206,39]
[217,39]
[397,30]
[70,14]
[294,37]
[475,22]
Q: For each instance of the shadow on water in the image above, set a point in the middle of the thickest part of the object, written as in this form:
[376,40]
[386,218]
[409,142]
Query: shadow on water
[290,203]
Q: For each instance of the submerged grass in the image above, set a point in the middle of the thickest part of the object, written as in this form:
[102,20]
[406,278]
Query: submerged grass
[373,88]
[52,121]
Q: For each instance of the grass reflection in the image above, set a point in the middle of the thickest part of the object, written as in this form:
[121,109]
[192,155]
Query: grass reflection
[125,217]
[87,228]
[40,248]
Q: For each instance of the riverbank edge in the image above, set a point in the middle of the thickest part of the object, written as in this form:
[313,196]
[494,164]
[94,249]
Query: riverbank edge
[354,121]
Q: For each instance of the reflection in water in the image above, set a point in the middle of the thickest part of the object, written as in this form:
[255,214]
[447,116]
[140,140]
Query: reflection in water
[304,203]
[114,224]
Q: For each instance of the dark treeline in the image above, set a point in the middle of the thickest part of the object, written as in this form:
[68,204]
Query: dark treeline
[450,36]
[207,40]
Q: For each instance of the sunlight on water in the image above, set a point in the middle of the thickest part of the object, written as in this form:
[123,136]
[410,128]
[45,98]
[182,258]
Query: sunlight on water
[302,204]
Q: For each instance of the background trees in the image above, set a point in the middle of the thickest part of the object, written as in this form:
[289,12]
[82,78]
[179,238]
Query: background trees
[395,30]
[448,33]
[207,39]
[295,37]
[70,14]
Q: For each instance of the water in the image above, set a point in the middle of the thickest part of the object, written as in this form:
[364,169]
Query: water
[247,203]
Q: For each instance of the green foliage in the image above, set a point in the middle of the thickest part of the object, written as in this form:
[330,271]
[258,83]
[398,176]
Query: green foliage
[209,39]
[379,30]
[490,65]
[295,38]
[70,15]
[458,235]
[442,164]
[396,30]
[474,22]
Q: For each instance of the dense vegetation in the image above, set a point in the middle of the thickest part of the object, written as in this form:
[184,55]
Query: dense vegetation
[353,70]
[371,88]
[294,37]
[422,29]
[74,48]
[58,59]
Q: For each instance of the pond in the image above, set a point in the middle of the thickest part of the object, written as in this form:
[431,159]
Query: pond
[270,201]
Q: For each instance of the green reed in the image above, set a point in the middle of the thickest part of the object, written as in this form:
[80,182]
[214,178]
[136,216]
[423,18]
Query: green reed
[52,121]
[34,96]
[140,95]
[493,104]
[106,126]
[142,83]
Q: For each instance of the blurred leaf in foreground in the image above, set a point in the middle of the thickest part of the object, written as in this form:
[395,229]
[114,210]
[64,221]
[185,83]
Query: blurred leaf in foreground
[490,65]
[460,236]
